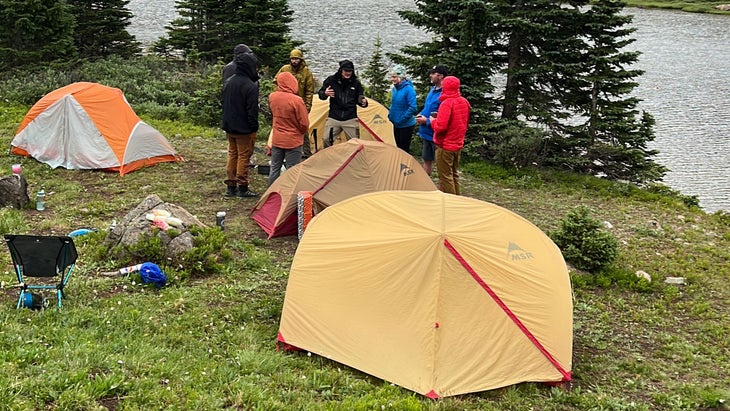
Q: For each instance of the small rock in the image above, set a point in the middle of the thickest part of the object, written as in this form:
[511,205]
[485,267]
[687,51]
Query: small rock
[655,225]
[644,275]
[14,191]
[608,225]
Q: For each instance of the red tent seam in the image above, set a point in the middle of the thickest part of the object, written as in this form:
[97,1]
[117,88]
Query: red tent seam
[339,170]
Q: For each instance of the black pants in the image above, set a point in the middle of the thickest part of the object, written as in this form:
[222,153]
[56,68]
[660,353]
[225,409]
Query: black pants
[403,137]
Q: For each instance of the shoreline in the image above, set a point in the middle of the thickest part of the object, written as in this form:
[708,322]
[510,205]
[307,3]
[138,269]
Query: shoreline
[701,7]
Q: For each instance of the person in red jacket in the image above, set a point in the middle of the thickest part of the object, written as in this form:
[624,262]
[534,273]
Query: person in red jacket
[449,129]
[290,122]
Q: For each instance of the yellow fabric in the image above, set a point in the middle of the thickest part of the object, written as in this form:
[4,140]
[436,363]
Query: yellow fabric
[374,124]
[343,171]
[373,286]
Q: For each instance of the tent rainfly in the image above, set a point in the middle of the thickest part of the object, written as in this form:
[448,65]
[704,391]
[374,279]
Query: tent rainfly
[89,126]
[334,174]
[440,294]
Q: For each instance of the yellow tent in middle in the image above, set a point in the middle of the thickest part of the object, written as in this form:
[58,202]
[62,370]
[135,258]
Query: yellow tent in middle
[374,124]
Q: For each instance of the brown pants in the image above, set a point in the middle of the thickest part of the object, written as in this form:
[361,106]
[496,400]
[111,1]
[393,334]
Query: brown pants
[240,149]
[447,166]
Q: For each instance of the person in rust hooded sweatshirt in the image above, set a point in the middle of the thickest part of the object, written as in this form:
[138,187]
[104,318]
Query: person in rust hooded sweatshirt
[290,122]
[449,130]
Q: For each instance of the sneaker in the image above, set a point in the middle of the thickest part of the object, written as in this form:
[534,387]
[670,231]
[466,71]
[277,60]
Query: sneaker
[231,191]
[245,193]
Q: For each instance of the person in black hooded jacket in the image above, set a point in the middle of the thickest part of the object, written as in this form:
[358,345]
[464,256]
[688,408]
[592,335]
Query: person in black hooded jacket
[240,101]
[345,93]
[230,69]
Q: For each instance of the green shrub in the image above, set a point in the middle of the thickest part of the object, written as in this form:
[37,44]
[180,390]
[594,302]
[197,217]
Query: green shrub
[584,241]
[509,145]
[206,257]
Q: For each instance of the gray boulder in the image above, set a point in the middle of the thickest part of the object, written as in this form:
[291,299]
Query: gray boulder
[14,191]
[135,227]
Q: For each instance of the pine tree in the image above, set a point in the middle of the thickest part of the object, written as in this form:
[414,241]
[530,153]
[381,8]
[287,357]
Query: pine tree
[614,134]
[207,30]
[560,61]
[35,33]
[464,41]
[375,76]
[542,42]
[101,29]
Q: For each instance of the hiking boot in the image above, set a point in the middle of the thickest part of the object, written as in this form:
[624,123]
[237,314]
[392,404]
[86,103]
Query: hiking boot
[231,191]
[244,192]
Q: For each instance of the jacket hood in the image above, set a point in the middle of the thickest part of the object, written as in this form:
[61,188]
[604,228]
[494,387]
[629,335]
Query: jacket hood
[296,54]
[247,65]
[241,49]
[287,83]
[450,86]
[404,82]
[346,65]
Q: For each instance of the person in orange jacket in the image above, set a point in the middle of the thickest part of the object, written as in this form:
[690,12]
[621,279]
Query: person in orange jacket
[290,122]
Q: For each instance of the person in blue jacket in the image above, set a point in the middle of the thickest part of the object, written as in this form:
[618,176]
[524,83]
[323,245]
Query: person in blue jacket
[402,108]
[436,75]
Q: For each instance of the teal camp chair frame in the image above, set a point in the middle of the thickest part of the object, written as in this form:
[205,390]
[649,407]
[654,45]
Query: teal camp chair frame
[42,256]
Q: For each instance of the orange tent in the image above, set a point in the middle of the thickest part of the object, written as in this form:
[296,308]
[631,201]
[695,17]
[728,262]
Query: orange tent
[438,293]
[90,126]
[334,174]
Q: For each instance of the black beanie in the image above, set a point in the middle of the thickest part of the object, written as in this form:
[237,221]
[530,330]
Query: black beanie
[347,65]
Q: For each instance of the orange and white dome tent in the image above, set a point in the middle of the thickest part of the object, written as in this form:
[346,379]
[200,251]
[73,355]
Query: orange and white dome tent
[89,126]
[438,293]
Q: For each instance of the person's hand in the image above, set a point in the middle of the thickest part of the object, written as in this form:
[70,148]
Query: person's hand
[329,91]
[420,120]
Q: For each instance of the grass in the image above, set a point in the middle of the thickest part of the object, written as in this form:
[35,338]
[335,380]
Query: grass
[208,342]
[691,6]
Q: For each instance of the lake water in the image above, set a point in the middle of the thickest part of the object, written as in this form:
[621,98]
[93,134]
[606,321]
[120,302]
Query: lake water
[686,57]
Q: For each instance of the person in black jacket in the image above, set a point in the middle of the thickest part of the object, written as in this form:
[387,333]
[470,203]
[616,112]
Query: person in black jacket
[230,69]
[345,93]
[240,100]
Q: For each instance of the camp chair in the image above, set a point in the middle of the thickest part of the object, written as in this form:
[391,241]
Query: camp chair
[41,256]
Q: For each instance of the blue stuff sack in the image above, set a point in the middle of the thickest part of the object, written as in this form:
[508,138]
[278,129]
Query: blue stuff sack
[151,273]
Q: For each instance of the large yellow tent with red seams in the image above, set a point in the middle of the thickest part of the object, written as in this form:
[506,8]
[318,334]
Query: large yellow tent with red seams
[438,293]
[90,126]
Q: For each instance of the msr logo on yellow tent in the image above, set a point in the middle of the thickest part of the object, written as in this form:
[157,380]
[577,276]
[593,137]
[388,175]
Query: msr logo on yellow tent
[378,119]
[516,253]
[405,170]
